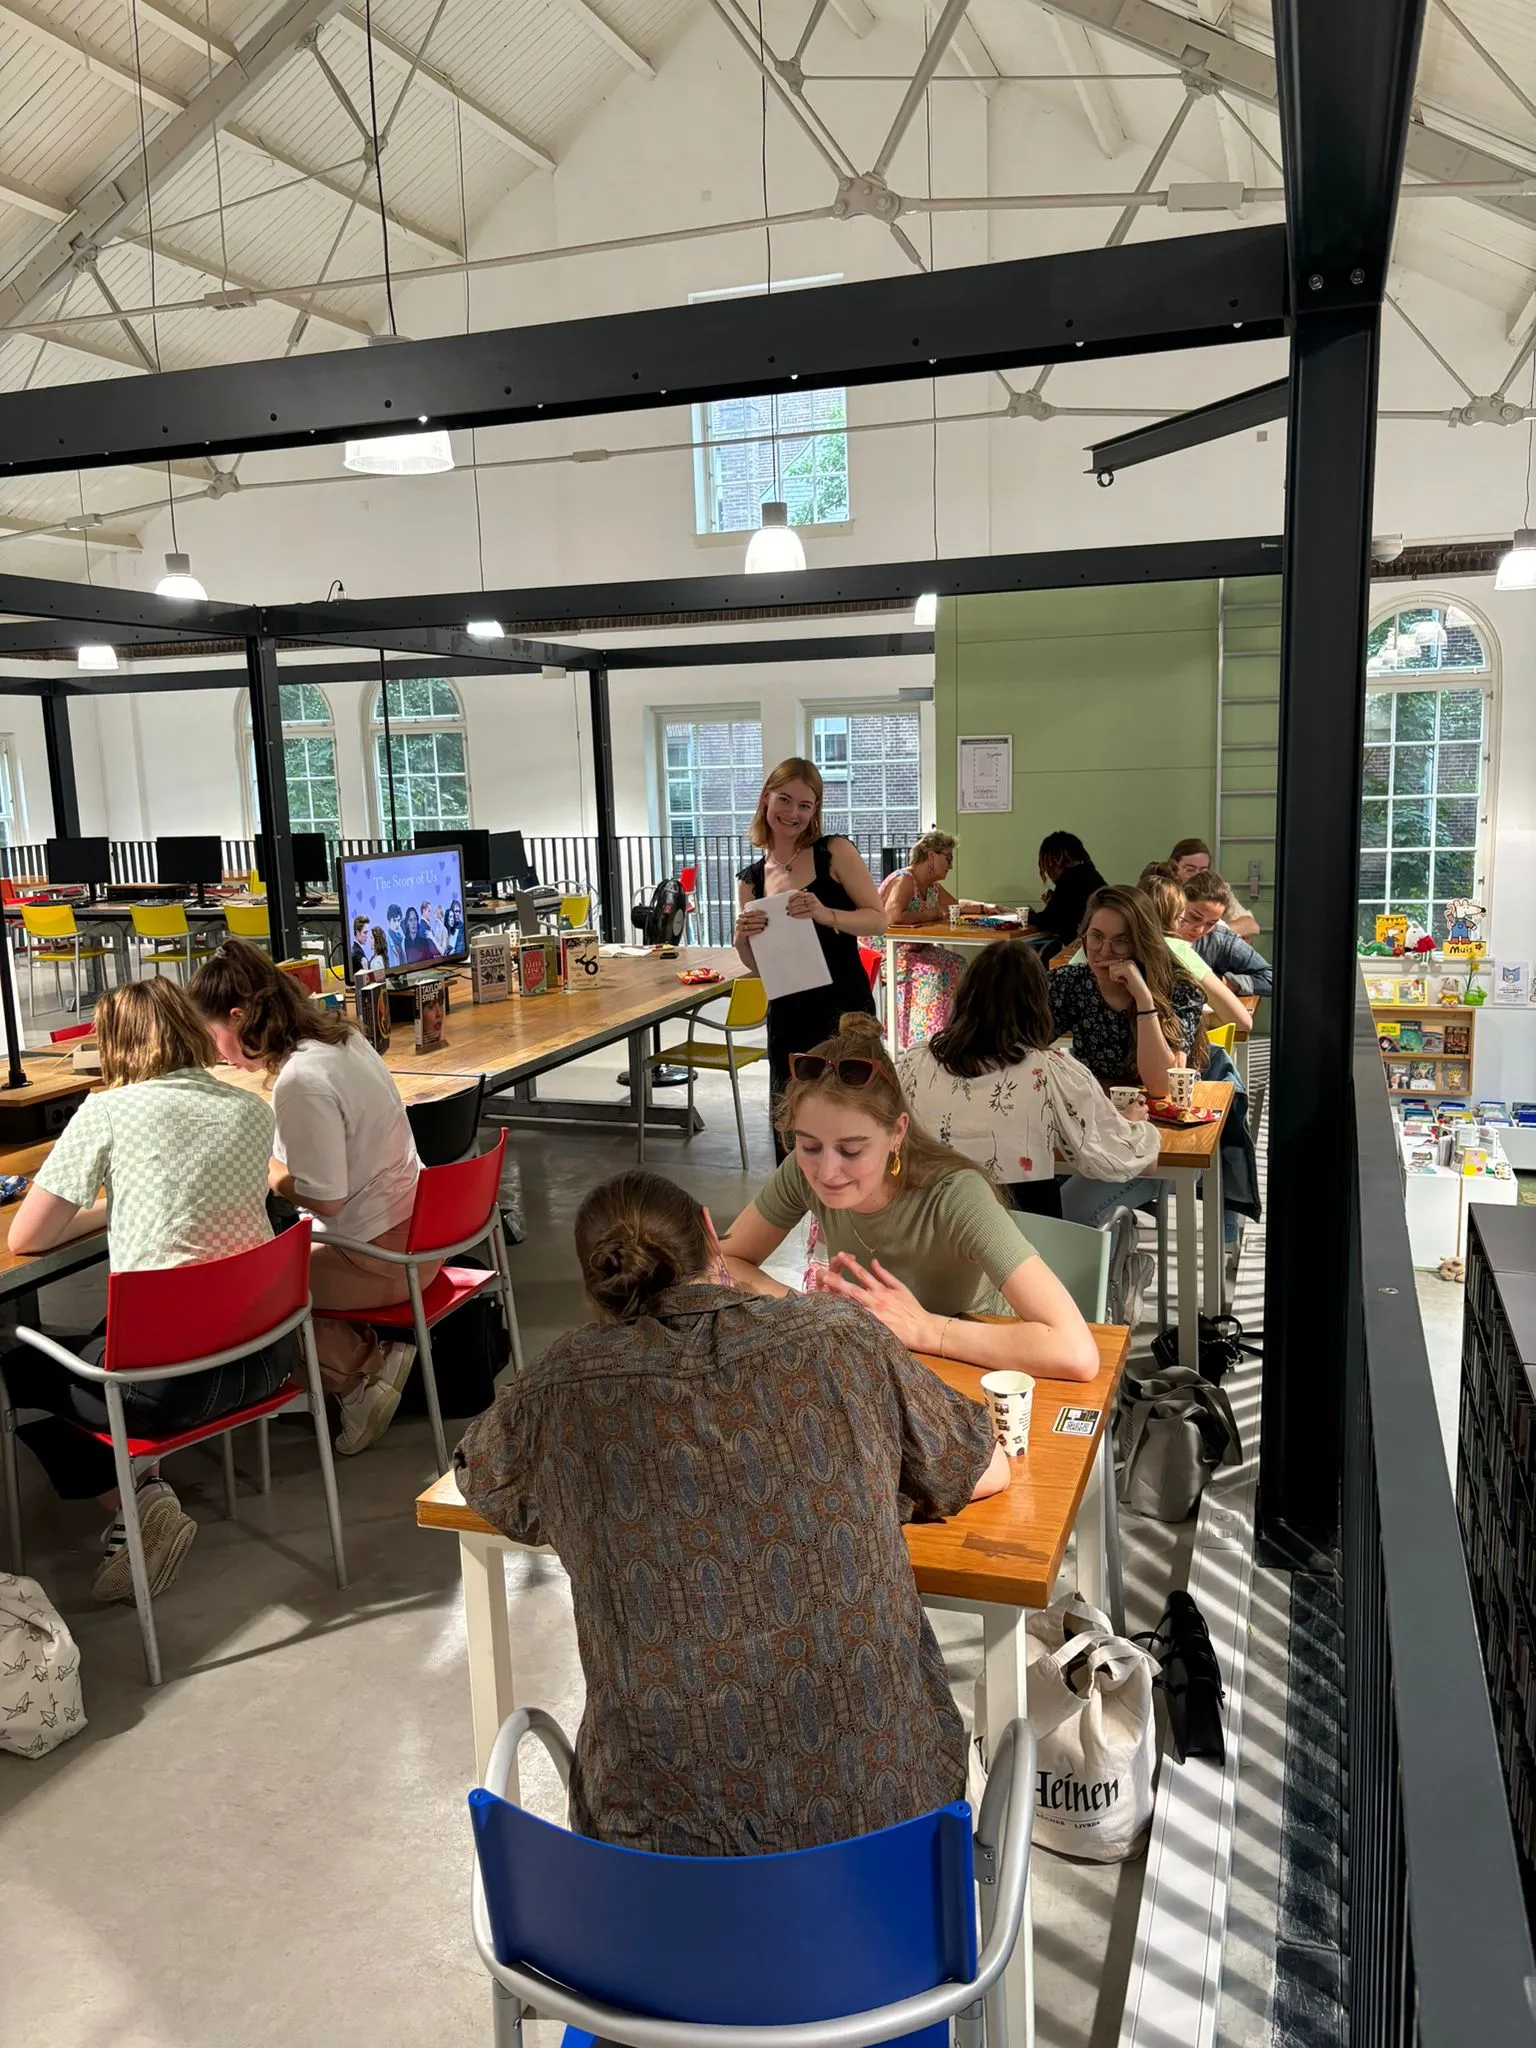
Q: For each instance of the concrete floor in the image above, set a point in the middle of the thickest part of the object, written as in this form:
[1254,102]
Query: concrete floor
[273,1847]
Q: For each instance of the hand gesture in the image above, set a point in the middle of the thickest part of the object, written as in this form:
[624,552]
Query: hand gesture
[749,923]
[885,1297]
[804,904]
[1130,977]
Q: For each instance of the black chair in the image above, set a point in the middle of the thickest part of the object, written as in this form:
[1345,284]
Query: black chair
[447,1128]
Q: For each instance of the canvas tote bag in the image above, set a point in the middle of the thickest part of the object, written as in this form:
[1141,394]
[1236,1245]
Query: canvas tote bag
[1174,1430]
[40,1704]
[1090,1705]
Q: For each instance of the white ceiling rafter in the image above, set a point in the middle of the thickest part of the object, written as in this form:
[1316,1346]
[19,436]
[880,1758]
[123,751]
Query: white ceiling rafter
[441,87]
[1095,95]
[975,59]
[606,33]
[72,533]
[99,64]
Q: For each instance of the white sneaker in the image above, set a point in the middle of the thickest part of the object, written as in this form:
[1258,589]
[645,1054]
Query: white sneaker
[365,1415]
[168,1535]
[396,1366]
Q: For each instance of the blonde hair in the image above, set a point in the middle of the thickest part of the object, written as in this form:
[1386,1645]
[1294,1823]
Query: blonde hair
[1166,898]
[932,842]
[149,1028]
[923,1159]
[792,770]
[1160,970]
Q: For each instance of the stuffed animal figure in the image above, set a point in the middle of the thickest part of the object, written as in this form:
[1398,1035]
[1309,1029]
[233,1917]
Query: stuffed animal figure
[1453,1270]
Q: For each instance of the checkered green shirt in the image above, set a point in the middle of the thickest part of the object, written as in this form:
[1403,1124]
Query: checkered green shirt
[183,1160]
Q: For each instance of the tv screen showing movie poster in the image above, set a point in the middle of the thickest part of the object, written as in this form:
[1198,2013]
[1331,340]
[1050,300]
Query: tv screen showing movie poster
[402,910]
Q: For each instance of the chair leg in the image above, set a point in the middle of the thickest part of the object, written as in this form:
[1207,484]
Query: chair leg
[16,1551]
[263,1456]
[506,2018]
[137,1563]
[428,1369]
[502,1260]
[323,1441]
[227,1462]
[741,1129]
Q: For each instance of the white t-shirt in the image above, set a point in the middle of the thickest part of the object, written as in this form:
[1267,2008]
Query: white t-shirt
[343,1134]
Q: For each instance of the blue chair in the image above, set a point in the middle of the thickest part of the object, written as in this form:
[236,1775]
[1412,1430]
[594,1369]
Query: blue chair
[868,1940]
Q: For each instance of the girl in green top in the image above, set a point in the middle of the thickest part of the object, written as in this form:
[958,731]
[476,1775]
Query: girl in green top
[913,1233]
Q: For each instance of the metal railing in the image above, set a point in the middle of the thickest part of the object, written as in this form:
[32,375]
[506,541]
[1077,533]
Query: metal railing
[1440,1951]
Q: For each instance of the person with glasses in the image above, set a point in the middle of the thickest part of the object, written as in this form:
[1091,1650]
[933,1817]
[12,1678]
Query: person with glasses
[1192,857]
[901,1224]
[707,1464]
[1203,925]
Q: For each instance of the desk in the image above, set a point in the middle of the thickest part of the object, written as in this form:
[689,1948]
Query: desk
[931,935]
[1182,1155]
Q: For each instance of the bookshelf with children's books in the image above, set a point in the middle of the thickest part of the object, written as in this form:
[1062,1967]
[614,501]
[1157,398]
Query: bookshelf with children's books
[1425,1029]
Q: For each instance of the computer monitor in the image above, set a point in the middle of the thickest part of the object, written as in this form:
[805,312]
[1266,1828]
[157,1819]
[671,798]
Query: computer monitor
[510,862]
[199,860]
[402,911]
[474,846]
[79,860]
[311,858]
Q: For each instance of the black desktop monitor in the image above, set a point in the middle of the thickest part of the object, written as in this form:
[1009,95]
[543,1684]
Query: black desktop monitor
[79,860]
[198,859]
[311,858]
[510,862]
[474,847]
[402,911]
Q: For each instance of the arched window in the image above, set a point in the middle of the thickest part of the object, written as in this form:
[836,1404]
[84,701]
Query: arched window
[1425,796]
[427,760]
[309,755]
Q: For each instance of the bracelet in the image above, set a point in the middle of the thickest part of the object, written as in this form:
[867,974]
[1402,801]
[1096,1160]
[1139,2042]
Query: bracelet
[835,925]
[1146,1013]
[943,1334]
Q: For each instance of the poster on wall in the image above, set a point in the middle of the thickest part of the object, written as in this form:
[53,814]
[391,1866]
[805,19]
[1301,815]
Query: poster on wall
[986,773]
[1512,981]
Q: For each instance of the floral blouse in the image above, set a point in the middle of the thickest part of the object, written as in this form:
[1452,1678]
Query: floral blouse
[1105,1039]
[1015,1121]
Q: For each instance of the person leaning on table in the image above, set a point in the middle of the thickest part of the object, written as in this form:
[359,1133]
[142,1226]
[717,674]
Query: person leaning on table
[1202,925]
[725,1479]
[915,1234]
[1188,857]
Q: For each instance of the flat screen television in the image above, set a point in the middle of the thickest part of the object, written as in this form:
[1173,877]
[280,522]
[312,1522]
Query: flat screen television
[79,860]
[401,911]
[311,858]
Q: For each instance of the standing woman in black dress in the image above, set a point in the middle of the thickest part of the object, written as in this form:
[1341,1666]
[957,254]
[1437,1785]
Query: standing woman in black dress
[825,880]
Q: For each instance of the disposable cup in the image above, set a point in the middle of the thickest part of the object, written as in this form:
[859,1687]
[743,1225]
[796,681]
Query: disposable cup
[1010,1398]
[1181,1087]
[1127,1098]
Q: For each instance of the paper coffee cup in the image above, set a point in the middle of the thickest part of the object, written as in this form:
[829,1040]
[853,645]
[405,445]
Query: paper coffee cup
[1127,1098]
[1010,1398]
[1181,1087]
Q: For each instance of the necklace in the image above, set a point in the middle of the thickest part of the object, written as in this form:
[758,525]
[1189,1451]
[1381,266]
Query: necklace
[771,859]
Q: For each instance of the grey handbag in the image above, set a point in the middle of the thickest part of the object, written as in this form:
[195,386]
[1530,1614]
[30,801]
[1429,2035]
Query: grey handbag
[1173,1430]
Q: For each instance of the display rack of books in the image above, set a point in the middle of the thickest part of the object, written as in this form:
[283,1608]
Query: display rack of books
[1496,1490]
[1424,1029]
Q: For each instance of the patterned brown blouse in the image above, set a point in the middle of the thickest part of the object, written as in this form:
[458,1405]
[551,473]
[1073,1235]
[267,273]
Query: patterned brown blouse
[726,1482]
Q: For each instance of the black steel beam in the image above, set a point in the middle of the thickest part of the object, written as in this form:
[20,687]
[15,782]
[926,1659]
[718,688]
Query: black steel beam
[128,684]
[1308,1297]
[1345,72]
[86,604]
[274,832]
[63,635]
[1238,414]
[614,910]
[809,593]
[739,653]
[451,643]
[1188,292]
[61,767]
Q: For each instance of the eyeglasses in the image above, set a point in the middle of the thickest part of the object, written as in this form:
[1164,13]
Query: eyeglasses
[853,1072]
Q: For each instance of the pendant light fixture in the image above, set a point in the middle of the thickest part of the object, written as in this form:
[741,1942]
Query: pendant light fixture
[178,580]
[775,547]
[926,611]
[96,658]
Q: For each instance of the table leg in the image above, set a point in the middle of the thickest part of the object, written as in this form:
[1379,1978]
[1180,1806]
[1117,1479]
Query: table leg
[637,1089]
[488,1637]
[1187,1220]
[1003,1700]
[1162,1257]
[1092,1562]
[1240,1061]
[1213,1228]
[889,977]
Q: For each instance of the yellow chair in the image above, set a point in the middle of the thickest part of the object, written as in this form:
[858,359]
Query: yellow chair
[54,924]
[249,921]
[747,1008]
[1222,1035]
[575,913]
[165,927]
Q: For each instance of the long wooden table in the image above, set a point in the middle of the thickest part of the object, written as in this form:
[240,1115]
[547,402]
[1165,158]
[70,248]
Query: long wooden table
[963,934]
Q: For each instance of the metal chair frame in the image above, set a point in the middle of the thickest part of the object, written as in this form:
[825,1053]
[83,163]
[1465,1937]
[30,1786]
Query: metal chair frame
[53,950]
[1002,1848]
[112,1383]
[677,1055]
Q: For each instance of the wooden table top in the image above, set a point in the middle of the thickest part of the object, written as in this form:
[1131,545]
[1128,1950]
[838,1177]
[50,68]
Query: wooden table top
[1007,1549]
[525,1036]
[1197,1147]
[966,934]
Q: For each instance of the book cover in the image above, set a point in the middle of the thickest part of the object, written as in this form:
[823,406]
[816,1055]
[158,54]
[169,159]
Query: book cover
[1512,981]
[372,1000]
[1458,1040]
[579,960]
[1423,1075]
[1456,1075]
[1414,990]
[537,967]
[1388,1033]
[1381,988]
[305,972]
[1431,1041]
[431,1009]
[1411,1037]
[1397,1074]
[490,968]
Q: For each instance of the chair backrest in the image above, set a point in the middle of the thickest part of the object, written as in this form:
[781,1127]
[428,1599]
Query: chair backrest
[445,1129]
[72,1031]
[454,1202]
[172,1313]
[733,1940]
[49,920]
[159,920]
[248,920]
[749,1003]
[1222,1035]
[1079,1257]
[574,912]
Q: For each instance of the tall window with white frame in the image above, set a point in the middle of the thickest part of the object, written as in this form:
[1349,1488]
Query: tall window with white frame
[792,447]
[711,765]
[309,760]
[1424,805]
[870,757]
[427,754]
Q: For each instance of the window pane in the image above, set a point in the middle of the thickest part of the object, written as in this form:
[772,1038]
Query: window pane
[1428,746]
[791,447]
[1410,822]
[1410,874]
[1378,770]
[1378,714]
[1461,715]
[1373,822]
[1373,875]
[1459,768]
[1454,874]
[1456,821]
[1412,768]
[874,784]
[1415,715]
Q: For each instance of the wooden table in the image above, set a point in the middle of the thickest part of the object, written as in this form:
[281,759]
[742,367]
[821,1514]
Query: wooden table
[1182,1157]
[932,935]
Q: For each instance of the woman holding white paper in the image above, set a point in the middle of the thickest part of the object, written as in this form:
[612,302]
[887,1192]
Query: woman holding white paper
[825,880]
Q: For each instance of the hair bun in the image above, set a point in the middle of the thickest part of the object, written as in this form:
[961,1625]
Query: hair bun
[858,1028]
[625,1271]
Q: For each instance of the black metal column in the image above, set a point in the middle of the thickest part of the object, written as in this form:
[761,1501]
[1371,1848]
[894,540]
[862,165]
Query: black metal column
[1309,1304]
[610,875]
[274,838]
[61,766]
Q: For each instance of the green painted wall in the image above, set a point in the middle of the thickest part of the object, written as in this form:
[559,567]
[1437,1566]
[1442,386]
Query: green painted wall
[1110,696]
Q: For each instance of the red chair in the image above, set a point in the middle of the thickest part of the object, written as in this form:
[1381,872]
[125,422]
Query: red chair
[175,1320]
[456,1206]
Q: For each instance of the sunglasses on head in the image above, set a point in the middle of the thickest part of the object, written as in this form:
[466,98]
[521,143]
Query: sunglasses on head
[855,1072]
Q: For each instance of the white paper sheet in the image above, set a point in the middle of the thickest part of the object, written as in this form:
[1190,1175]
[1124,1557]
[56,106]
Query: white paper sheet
[986,773]
[788,954]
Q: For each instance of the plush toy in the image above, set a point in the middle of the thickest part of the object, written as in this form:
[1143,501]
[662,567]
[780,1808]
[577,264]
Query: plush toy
[1454,1270]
